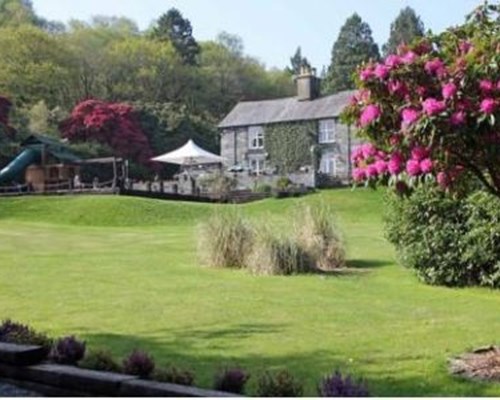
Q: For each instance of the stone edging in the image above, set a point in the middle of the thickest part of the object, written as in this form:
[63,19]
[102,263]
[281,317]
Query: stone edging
[55,378]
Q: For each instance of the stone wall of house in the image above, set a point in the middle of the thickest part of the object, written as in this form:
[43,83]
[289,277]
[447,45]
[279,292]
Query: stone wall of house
[227,147]
[234,148]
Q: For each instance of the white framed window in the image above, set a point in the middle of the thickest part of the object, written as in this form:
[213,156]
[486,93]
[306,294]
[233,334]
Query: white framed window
[327,132]
[256,137]
[331,164]
[257,165]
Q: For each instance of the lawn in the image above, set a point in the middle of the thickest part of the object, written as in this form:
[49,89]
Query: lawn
[123,273]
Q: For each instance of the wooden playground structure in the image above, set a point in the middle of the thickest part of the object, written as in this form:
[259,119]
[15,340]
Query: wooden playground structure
[49,167]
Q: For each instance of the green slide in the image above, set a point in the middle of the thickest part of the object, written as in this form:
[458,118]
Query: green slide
[16,168]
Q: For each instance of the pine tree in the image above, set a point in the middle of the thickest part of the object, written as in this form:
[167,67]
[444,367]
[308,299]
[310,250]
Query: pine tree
[354,46]
[173,27]
[406,27]
[297,62]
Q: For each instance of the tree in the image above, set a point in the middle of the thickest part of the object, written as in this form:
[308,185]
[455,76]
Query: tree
[16,13]
[354,46]
[39,116]
[89,44]
[227,76]
[111,124]
[176,29]
[297,62]
[33,66]
[405,28]
[7,132]
[432,113]
[137,68]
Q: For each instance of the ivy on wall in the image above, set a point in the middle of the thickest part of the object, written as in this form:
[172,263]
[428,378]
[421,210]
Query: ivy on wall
[288,145]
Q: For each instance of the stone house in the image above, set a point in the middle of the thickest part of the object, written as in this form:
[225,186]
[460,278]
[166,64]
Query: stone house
[243,134]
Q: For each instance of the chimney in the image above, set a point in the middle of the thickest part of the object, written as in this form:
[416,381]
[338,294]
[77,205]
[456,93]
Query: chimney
[307,84]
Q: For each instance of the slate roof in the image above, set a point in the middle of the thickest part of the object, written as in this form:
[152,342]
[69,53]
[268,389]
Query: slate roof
[289,109]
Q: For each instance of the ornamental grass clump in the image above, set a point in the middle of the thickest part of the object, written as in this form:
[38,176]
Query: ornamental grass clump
[231,380]
[100,360]
[225,240]
[278,254]
[67,350]
[319,236]
[279,384]
[336,385]
[139,363]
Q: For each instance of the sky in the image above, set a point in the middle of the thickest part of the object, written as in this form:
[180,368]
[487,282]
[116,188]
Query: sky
[271,29]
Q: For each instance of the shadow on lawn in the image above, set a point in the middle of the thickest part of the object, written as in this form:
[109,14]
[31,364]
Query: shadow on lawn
[367,264]
[205,352]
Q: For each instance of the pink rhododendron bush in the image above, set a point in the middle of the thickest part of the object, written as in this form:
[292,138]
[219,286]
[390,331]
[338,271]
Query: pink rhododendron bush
[431,117]
[431,113]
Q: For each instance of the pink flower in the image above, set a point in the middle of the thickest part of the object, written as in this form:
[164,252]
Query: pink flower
[358,174]
[486,86]
[381,71]
[371,171]
[443,180]
[426,165]
[432,106]
[449,90]
[421,90]
[464,46]
[409,58]
[434,67]
[395,164]
[397,87]
[357,154]
[366,74]
[409,116]
[380,155]
[393,61]
[413,168]
[457,118]
[368,150]
[487,106]
[395,140]
[369,114]
[381,167]
[418,153]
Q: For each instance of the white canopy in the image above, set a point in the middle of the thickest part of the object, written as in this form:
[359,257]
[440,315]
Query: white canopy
[189,154]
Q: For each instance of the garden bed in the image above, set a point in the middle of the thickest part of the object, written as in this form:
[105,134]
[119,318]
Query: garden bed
[55,379]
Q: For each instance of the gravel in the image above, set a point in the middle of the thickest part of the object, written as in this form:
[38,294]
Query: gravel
[7,390]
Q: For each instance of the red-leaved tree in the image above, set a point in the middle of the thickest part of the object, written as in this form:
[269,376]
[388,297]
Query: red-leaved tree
[432,111]
[112,124]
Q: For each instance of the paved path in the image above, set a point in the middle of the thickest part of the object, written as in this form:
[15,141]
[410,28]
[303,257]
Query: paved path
[7,390]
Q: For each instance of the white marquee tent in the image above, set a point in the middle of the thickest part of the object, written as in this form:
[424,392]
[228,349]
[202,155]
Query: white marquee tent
[190,154]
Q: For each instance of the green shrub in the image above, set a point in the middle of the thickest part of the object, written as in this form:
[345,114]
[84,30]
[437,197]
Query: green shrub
[174,375]
[318,234]
[283,183]
[277,254]
[231,380]
[139,363]
[217,183]
[225,240]
[279,384]
[262,188]
[100,360]
[447,241]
